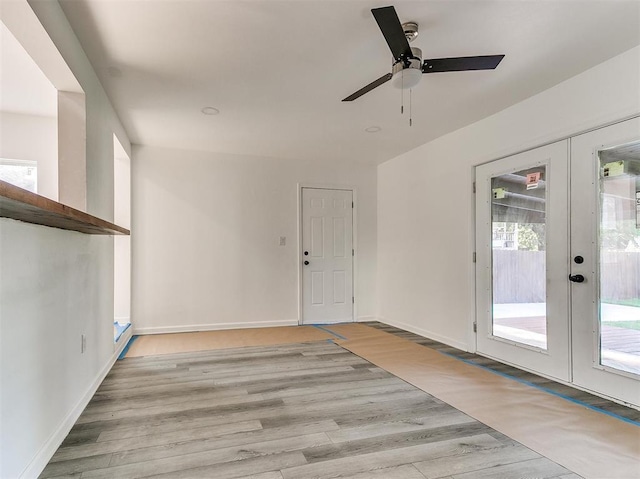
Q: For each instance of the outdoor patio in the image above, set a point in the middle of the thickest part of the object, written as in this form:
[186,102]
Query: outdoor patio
[526,323]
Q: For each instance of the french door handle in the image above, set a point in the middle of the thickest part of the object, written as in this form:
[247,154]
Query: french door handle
[576,278]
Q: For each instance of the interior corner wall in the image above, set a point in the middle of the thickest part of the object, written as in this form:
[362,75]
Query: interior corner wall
[56,286]
[425,200]
[206,231]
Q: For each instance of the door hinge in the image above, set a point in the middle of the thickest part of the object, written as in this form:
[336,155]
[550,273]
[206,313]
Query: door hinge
[353,252]
[353,300]
[352,204]
[474,186]
[475,327]
[474,256]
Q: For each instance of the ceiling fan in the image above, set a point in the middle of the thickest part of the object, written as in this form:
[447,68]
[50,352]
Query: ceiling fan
[408,66]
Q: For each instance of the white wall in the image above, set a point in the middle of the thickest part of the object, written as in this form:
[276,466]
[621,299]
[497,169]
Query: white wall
[56,285]
[72,152]
[122,244]
[122,279]
[425,200]
[52,287]
[205,238]
[33,138]
[121,185]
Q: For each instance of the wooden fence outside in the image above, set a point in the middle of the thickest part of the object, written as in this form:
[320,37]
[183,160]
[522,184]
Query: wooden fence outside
[620,275]
[519,276]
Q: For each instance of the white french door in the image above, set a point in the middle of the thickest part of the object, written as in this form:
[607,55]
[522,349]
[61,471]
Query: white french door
[522,231]
[558,260]
[327,256]
[605,233]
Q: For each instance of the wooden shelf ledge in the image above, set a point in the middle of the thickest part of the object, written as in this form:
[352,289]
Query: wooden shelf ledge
[23,205]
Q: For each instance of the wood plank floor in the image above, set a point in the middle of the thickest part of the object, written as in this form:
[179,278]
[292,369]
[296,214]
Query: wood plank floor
[614,338]
[296,411]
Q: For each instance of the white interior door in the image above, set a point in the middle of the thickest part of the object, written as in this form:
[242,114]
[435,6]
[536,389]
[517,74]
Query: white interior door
[327,256]
[522,249]
[605,252]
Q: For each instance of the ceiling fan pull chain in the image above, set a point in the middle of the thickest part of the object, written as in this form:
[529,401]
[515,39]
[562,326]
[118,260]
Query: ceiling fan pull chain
[410,109]
[402,93]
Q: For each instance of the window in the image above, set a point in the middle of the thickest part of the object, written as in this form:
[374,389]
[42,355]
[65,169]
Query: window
[21,173]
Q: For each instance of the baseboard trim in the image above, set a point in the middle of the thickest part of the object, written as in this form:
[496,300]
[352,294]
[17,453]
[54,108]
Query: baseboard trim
[364,319]
[44,455]
[124,338]
[426,334]
[190,328]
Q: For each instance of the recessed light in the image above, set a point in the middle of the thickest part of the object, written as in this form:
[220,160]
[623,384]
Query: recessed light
[209,110]
[373,129]
[114,72]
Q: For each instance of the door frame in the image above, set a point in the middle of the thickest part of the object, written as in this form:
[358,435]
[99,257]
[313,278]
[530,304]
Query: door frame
[354,229]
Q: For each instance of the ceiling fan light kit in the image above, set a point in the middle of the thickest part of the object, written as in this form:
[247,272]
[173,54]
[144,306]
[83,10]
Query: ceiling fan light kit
[407,65]
[408,76]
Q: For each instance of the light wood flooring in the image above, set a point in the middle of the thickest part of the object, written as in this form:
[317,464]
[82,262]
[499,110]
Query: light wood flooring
[309,410]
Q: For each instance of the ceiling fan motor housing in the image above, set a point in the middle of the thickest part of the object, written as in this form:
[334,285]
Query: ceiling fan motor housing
[410,30]
[407,73]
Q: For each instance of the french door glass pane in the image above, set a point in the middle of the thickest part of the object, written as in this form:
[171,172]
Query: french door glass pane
[620,258]
[518,216]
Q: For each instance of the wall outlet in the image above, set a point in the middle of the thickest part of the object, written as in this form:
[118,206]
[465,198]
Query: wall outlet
[283,240]
[83,343]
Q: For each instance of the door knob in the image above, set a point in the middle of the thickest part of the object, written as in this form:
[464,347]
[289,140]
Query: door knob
[576,278]
[306,253]
[306,263]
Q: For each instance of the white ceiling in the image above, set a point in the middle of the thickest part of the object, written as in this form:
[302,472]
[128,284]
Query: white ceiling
[23,87]
[277,70]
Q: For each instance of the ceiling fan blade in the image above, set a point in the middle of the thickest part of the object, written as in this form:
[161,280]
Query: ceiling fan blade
[369,87]
[391,28]
[484,62]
